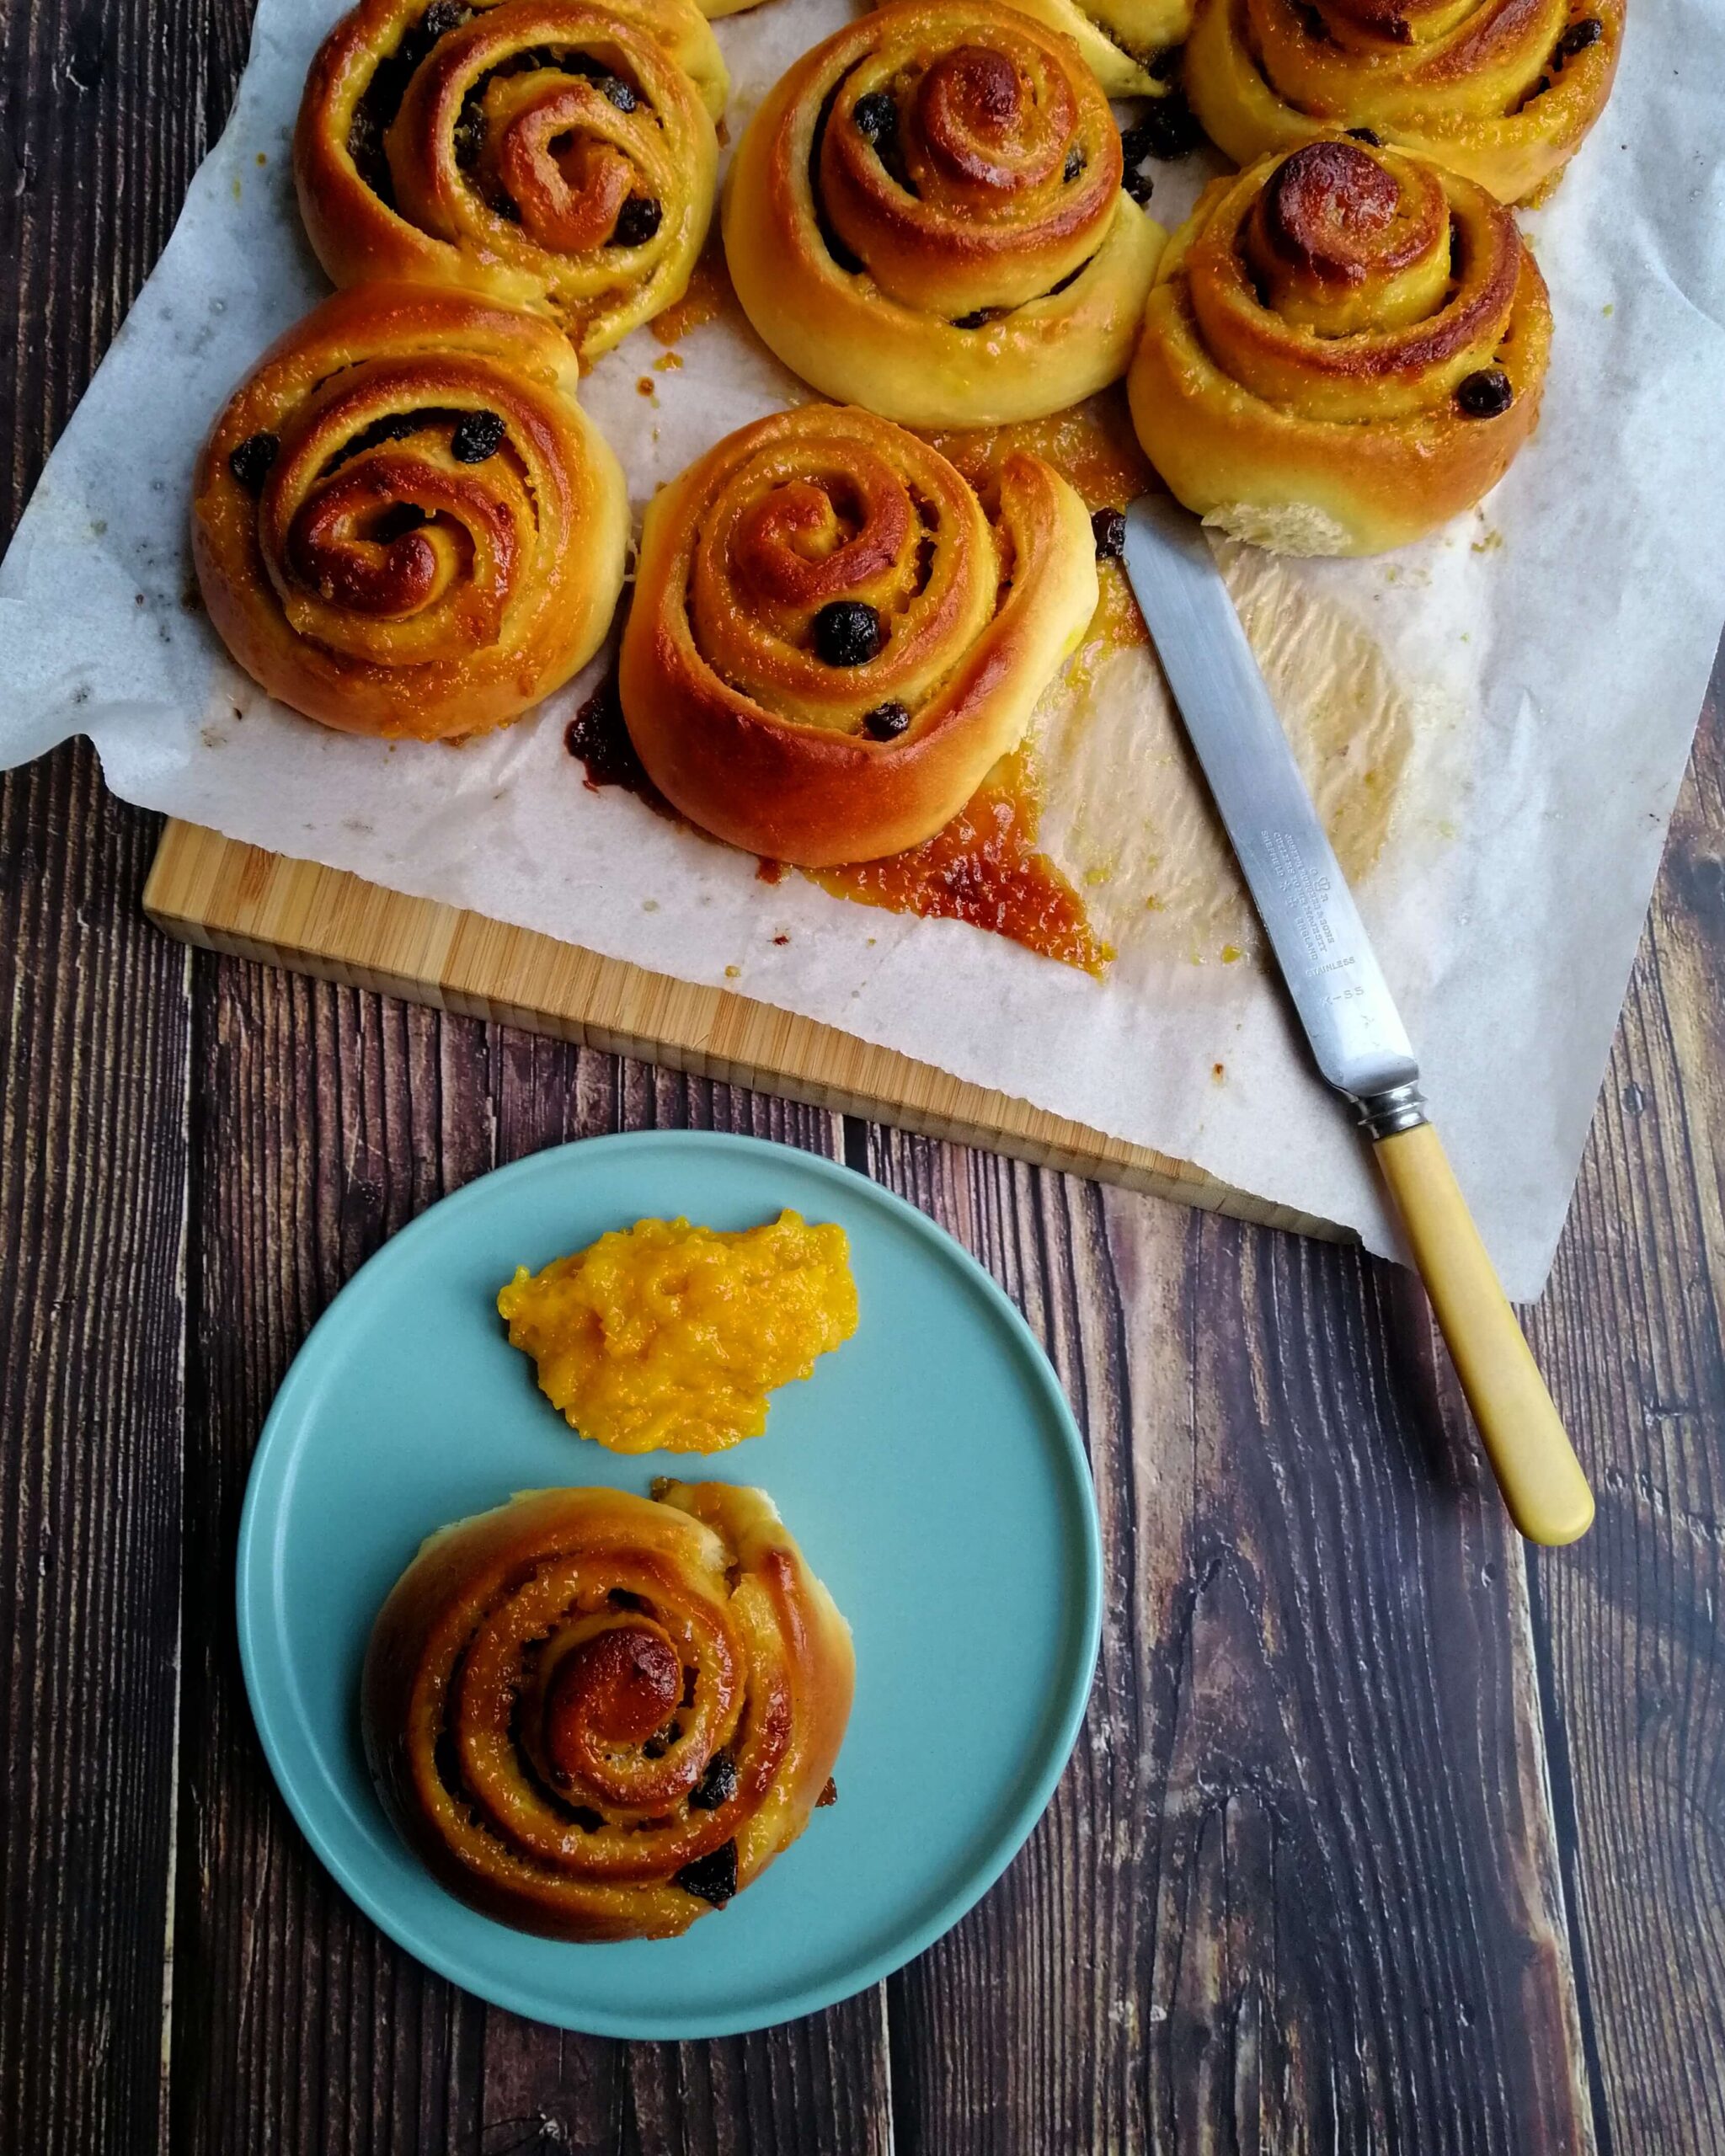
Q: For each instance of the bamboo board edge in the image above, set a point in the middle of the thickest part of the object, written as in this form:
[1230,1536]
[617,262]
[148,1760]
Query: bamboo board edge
[221,894]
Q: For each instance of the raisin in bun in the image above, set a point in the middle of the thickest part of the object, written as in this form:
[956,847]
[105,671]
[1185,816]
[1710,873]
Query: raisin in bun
[594,1715]
[833,637]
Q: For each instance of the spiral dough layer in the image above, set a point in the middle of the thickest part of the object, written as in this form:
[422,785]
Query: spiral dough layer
[833,639]
[556,155]
[925,217]
[402,522]
[1344,349]
[596,1716]
[1500,90]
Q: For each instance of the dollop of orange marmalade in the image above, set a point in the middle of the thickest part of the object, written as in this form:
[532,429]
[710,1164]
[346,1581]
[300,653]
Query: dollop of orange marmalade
[668,1337]
[985,866]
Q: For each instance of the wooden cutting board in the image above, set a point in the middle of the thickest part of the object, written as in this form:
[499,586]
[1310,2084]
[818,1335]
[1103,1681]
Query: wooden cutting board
[212,891]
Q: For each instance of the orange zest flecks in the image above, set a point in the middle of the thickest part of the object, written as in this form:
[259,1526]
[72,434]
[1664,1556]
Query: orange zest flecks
[708,297]
[984,867]
[1092,446]
[1115,625]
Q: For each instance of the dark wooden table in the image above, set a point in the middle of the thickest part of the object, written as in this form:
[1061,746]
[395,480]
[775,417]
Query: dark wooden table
[1383,1833]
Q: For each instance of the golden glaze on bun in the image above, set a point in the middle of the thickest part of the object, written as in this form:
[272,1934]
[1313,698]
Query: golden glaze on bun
[1119,39]
[402,522]
[925,217]
[740,721]
[551,154]
[1500,90]
[571,1700]
[1345,348]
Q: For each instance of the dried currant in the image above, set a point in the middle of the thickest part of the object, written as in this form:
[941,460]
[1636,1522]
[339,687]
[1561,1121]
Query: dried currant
[618,91]
[477,436]
[251,461]
[1109,528]
[718,1784]
[1168,129]
[848,633]
[710,1878]
[1486,394]
[876,117]
[887,721]
[1579,36]
[637,219]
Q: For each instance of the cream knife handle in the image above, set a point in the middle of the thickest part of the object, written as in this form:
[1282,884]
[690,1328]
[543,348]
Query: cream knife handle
[1523,1435]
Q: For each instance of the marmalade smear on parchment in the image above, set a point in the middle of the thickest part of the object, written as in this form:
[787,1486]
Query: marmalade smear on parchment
[708,295]
[668,1337]
[984,868]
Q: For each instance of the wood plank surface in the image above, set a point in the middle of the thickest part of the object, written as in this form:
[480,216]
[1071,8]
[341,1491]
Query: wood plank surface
[1378,1837]
[93,1159]
[1629,1630]
[94,1028]
[1308,1801]
[225,896]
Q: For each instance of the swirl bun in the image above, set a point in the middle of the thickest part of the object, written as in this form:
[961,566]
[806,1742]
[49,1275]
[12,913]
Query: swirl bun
[925,217]
[596,1716]
[402,522]
[1502,91]
[550,154]
[1344,349]
[833,639]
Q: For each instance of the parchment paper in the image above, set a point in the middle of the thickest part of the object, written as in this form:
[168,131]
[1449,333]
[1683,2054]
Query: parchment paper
[1498,720]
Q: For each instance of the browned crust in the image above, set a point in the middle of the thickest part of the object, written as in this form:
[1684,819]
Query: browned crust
[442,348]
[809,1686]
[890,336]
[1484,95]
[359,237]
[1382,478]
[809,792]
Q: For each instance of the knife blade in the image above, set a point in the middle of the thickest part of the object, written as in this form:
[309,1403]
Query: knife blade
[1343,1002]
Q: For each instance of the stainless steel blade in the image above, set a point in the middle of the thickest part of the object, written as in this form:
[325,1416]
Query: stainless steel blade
[1296,883]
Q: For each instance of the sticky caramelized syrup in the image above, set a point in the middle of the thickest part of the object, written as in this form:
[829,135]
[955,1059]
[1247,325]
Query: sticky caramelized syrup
[708,297]
[597,736]
[984,867]
[1091,445]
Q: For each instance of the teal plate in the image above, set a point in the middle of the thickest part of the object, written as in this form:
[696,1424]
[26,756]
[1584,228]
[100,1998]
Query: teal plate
[929,1470]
